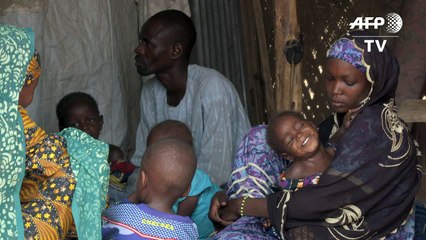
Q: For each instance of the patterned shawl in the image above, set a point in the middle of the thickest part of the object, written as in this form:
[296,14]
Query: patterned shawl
[369,189]
[66,182]
[16,50]
[90,166]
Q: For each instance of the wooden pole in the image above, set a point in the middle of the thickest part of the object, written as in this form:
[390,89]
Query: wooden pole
[264,58]
[288,77]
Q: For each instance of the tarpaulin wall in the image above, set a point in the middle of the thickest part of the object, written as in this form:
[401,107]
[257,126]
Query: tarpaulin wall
[88,46]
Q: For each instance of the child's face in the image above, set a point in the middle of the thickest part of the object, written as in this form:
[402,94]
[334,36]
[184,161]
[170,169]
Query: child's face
[299,138]
[84,116]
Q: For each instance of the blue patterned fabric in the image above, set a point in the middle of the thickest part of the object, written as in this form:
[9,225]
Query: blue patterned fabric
[406,231]
[16,50]
[344,49]
[138,221]
[246,228]
[257,168]
[256,173]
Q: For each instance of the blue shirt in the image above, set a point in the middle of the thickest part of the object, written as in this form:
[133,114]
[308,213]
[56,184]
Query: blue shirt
[204,188]
[139,221]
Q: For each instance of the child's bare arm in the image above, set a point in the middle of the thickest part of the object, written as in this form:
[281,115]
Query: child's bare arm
[187,206]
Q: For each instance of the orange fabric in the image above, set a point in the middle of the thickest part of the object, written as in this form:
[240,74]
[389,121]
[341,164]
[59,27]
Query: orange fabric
[48,186]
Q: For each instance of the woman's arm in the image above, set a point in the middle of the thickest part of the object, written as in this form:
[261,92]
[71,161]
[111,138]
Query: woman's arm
[225,212]
[256,207]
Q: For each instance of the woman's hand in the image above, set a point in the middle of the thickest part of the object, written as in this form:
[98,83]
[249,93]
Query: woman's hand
[349,116]
[219,201]
[231,211]
[347,119]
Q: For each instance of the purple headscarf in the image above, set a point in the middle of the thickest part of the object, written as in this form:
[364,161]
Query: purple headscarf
[345,49]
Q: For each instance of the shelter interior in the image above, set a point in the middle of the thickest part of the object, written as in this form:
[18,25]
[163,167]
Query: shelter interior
[89,47]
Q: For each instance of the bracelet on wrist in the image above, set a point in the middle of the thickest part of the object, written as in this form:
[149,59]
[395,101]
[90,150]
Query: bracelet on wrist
[243,202]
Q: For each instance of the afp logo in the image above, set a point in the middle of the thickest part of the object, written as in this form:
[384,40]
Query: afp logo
[392,23]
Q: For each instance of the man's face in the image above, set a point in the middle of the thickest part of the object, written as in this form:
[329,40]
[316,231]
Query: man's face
[153,52]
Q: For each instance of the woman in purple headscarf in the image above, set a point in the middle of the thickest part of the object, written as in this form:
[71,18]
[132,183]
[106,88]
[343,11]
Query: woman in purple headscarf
[369,189]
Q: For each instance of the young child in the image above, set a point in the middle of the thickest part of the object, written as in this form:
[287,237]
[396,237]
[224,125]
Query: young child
[167,168]
[80,110]
[297,140]
[197,203]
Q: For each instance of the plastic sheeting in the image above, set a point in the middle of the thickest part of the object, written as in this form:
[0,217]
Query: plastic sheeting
[88,46]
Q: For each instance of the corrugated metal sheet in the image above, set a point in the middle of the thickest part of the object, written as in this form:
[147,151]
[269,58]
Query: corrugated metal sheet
[219,41]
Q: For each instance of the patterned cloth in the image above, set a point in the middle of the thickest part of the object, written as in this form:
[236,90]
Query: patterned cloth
[344,49]
[295,184]
[48,186]
[34,69]
[204,189]
[63,171]
[138,221]
[89,161]
[16,49]
[257,168]
[369,189]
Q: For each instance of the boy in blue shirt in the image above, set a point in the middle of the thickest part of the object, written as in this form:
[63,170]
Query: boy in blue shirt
[167,168]
[197,203]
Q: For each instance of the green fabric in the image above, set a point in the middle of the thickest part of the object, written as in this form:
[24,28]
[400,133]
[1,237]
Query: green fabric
[90,167]
[16,50]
